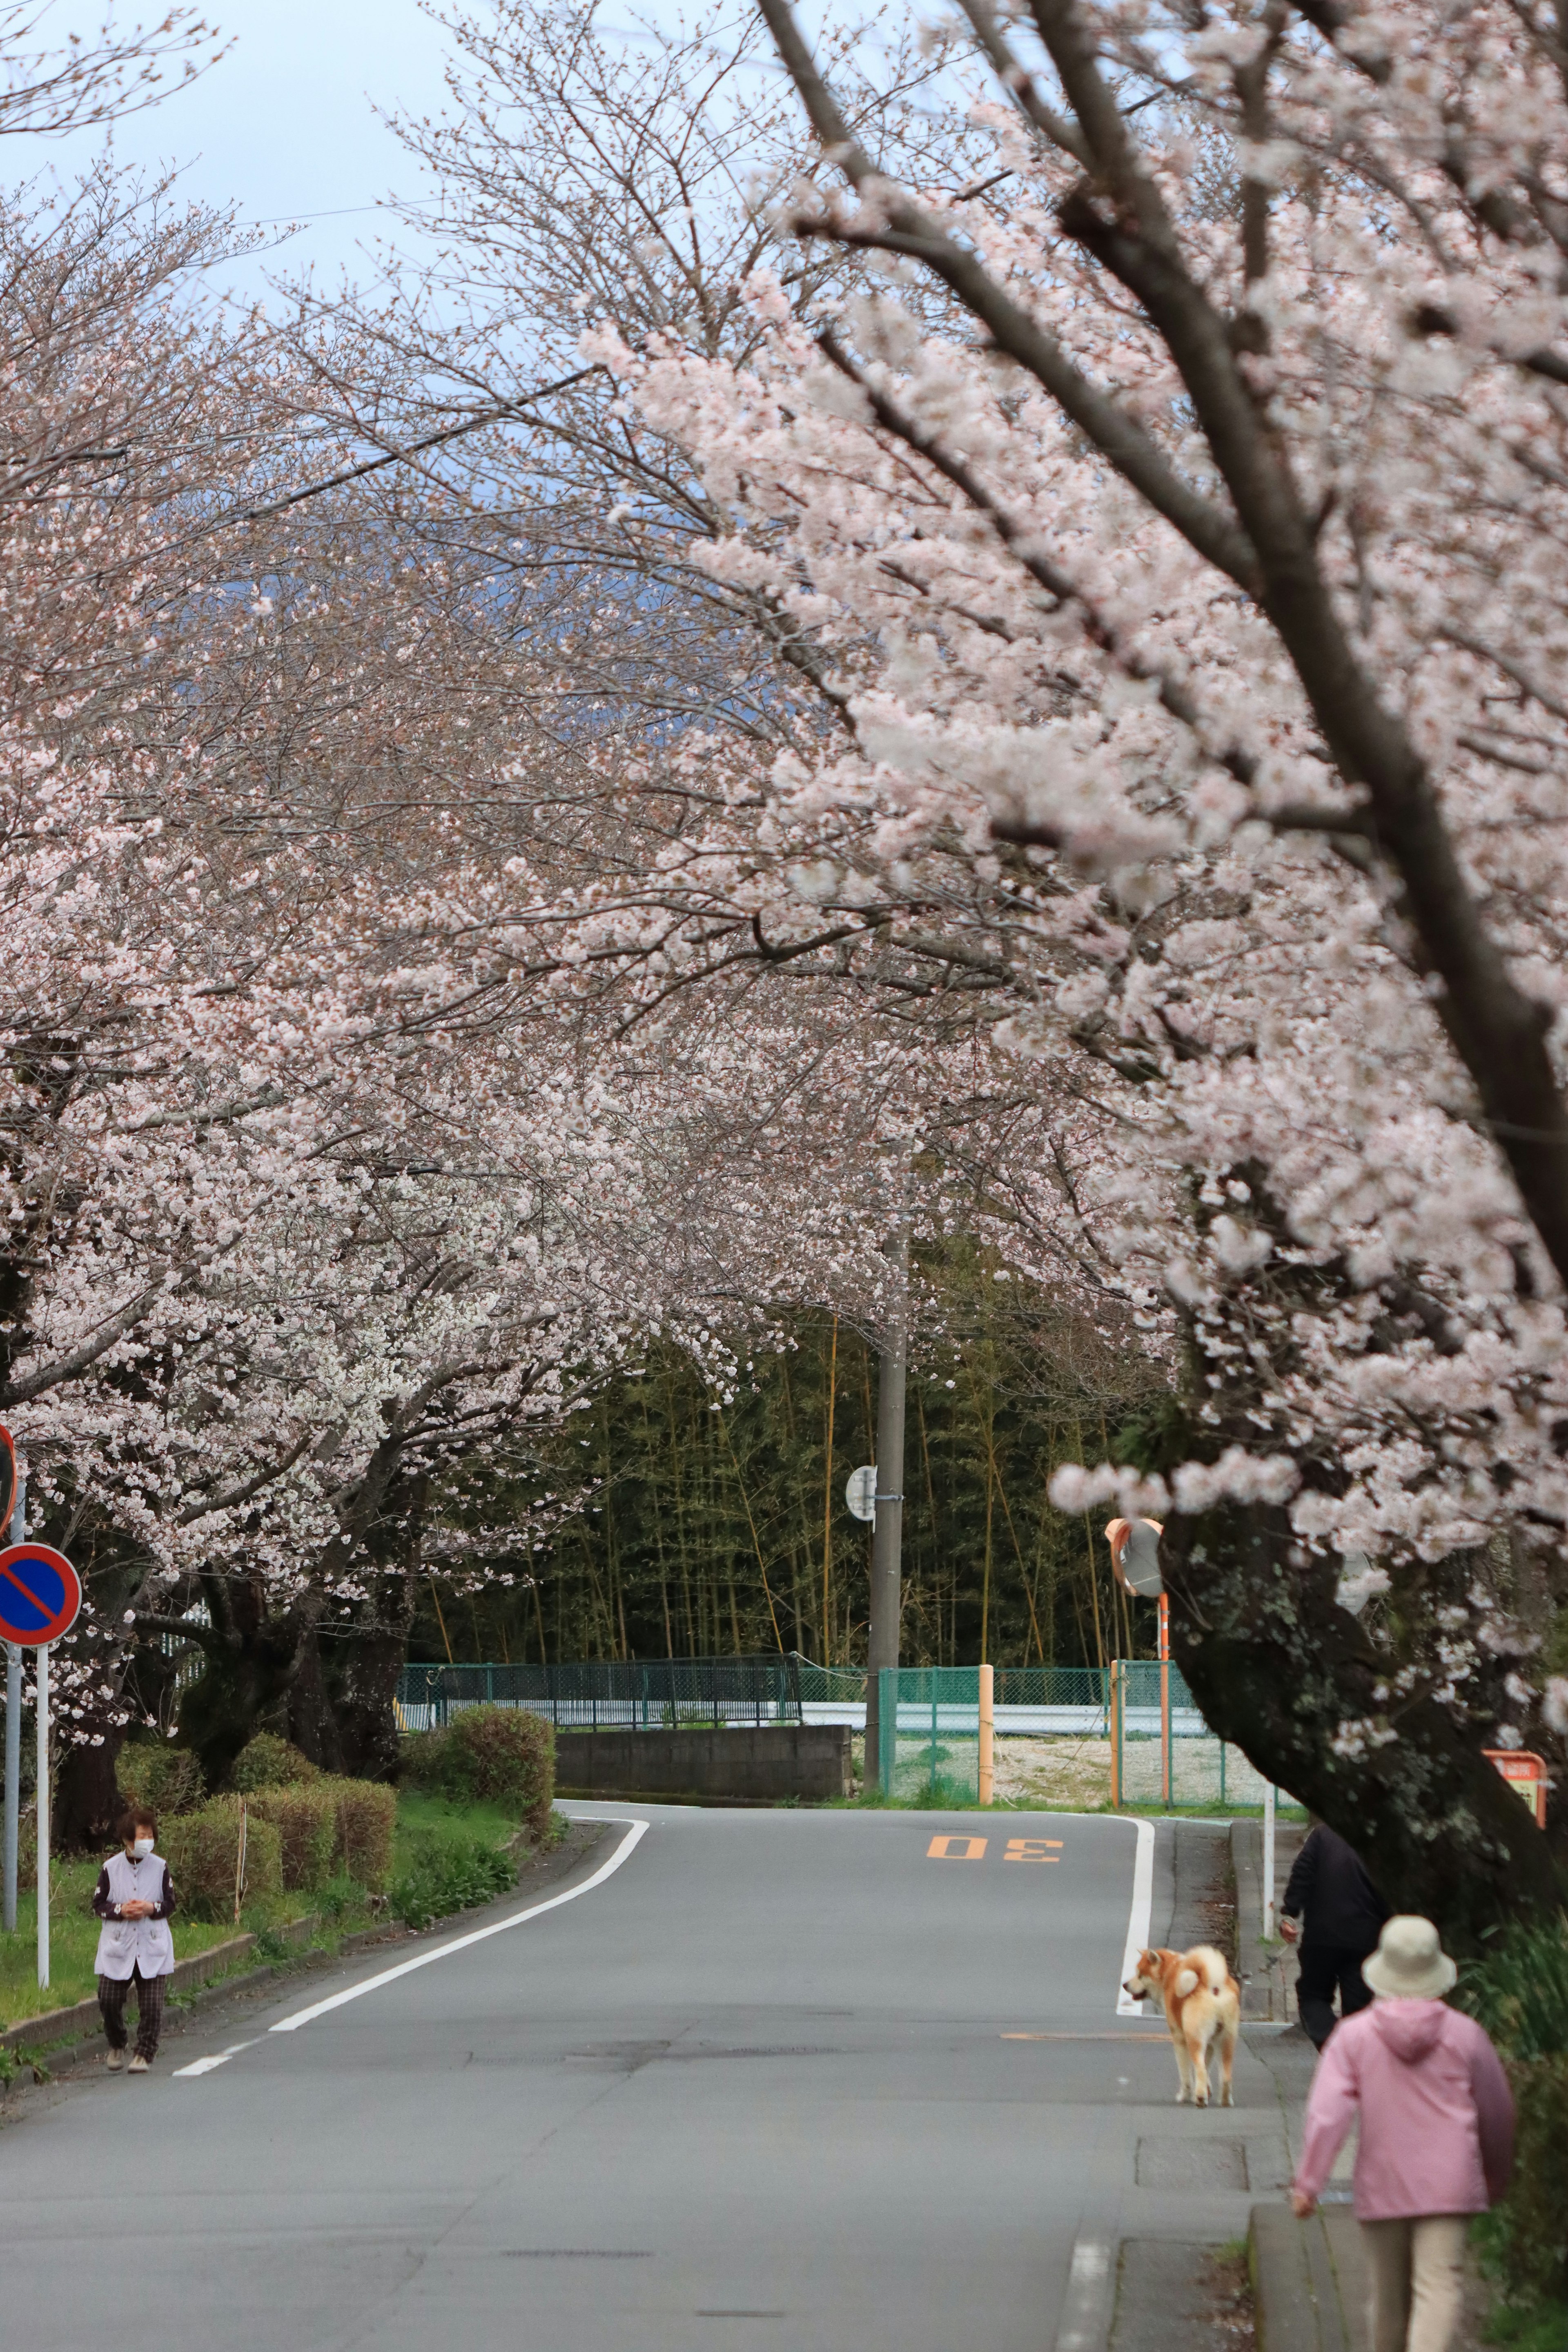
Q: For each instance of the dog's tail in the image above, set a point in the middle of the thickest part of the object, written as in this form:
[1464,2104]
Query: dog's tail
[1206,1966]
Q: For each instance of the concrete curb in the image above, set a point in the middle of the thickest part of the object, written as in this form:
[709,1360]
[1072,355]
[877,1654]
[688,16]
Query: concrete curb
[1309,2279]
[1089,2310]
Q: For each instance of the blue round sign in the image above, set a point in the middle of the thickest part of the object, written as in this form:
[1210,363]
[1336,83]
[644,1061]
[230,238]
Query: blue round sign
[40,1594]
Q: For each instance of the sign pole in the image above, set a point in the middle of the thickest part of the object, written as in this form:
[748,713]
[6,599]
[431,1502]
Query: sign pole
[41,1600]
[13,1775]
[14,1728]
[1269,1862]
[1165,1648]
[44,1815]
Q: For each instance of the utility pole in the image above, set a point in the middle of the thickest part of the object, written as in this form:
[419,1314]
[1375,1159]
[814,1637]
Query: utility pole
[886,1538]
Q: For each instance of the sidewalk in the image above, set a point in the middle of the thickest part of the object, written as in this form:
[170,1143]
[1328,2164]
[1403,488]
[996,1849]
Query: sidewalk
[1196,2175]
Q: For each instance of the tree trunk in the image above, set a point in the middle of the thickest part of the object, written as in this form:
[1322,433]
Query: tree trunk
[252,1661]
[87,1803]
[1278,1668]
[363,1671]
[312,1726]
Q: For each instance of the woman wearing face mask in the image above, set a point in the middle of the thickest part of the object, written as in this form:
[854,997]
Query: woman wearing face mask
[134,1898]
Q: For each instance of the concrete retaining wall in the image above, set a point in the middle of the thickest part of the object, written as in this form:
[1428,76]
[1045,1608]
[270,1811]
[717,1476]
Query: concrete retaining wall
[775,1760]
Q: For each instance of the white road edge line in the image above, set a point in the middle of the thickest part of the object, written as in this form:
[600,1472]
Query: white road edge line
[218,2058]
[1138,1921]
[1086,2315]
[635,1830]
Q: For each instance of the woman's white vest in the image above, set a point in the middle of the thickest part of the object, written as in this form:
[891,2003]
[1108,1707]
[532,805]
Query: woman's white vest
[127,1944]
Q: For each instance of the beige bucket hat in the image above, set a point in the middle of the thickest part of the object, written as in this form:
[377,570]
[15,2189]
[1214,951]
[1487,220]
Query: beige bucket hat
[1410,1963]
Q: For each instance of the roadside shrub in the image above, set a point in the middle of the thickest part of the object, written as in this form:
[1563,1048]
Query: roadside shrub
[447,1871]
[423,1762]
[1534,2215]
[1519,1993]
[502,1756]
[366,1816]
[268,1762]
[168,1779]
[201,1849]
[306,1819]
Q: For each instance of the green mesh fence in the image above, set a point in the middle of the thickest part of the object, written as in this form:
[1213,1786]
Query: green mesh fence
[927,1734]
[647,1694]
[1042,1699]
[1186,1764]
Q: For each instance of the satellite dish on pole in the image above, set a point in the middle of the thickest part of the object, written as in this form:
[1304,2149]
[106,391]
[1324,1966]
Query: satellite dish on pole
[860,1493]
[1135,1556]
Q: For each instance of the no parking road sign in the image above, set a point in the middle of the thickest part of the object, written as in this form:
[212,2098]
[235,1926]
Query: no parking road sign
[40,1594]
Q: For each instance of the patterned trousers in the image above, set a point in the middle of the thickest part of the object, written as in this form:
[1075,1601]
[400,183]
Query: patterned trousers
[111,1996]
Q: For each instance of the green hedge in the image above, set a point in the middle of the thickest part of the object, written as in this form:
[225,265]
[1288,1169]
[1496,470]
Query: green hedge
[268,1762]
[365,1815]
[202,1850]
[306,1819]
[502,1756]
[168,1779]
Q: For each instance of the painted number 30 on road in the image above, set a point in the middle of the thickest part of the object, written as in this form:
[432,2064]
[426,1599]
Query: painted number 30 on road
[956,1847]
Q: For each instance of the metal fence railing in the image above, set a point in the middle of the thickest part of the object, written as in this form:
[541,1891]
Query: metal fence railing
[1137,1716]
[927,1734]
[1039,1700]
[1165,1753]
[643,1694]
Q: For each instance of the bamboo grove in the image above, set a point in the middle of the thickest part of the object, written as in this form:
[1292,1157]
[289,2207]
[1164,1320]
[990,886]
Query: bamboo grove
[711,1525]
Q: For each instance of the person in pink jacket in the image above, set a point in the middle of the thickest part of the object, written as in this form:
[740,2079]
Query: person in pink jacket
[1436,2135]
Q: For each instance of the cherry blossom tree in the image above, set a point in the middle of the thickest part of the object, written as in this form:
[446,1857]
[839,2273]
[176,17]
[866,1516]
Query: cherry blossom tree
[1168,511]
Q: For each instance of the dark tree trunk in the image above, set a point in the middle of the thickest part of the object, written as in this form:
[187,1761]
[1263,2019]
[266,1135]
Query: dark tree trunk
[312,1725]
[365,1667]
[86,1806]
[1278,1668]
[252,1660]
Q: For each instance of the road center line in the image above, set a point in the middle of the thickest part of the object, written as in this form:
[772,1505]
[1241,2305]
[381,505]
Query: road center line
[1138,1920]
[635,1830]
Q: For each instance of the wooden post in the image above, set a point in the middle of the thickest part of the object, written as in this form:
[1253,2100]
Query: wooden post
[988,1727]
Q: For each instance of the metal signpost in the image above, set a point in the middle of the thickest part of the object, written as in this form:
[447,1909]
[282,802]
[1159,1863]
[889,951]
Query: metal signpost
[40,1594]
[14,1496]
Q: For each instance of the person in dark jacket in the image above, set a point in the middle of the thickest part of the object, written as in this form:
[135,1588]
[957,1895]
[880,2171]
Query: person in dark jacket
[1342,1914]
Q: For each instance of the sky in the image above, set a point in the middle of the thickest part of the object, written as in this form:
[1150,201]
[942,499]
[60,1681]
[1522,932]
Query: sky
[285,126]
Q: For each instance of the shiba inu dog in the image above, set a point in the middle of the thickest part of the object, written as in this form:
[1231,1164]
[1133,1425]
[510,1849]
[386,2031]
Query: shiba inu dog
[1203,2007]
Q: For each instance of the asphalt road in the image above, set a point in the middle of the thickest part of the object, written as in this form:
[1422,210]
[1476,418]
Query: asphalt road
[803,2080]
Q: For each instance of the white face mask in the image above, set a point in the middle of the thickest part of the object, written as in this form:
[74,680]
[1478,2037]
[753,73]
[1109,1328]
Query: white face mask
[140,1848]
